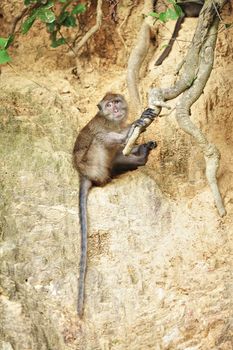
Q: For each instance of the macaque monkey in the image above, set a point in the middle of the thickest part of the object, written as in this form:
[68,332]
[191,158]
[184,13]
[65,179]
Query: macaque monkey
[190,8]
[97,157]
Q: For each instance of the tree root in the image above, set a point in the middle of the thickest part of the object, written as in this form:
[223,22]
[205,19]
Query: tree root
[136,58]
[191,61]
[93,30]
[211,153]
[197,67]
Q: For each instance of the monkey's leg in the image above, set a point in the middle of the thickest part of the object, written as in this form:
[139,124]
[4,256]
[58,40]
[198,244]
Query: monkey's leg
[138,157]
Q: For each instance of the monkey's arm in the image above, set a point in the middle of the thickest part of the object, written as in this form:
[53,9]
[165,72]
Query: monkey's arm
[111,139]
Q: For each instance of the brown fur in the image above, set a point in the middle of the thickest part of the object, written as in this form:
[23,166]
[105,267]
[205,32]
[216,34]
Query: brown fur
[93,154]
[97,157]
[94,151]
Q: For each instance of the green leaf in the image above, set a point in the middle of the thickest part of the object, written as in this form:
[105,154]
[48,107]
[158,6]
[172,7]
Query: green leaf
[163,17]
[56,42]
[59,42]
[3,43]
[46,15]
[70,21]
[10,40]
[80,8]
[171,14]
[28,23]
[51,26]
[173,2]
[4,57]
[63,1]
[62,17]
[153,14]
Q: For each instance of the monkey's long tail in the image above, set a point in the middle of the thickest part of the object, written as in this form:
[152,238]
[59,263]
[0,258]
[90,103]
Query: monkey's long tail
[84,188]
[171,41]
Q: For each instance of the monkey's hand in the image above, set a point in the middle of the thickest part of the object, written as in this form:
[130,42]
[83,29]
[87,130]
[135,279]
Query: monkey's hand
[149,113]
[138,127]
[146,118]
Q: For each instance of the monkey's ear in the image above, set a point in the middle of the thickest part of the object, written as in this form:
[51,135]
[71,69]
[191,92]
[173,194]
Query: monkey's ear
[99,107]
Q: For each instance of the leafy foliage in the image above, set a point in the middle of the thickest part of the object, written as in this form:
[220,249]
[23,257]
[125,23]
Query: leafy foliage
[45,12]
[55,14]
[173,12]
[59,14]
[4,44]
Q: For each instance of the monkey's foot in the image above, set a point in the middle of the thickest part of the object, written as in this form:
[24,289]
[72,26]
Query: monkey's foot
[151,144]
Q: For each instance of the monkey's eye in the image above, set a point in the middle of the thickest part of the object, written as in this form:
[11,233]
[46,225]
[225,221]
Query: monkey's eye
[109,104]
[117,101]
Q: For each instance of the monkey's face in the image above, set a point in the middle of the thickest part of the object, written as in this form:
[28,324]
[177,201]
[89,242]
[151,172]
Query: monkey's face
[114,108]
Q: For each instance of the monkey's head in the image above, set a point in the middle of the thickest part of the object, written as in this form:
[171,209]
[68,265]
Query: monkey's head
[113,107]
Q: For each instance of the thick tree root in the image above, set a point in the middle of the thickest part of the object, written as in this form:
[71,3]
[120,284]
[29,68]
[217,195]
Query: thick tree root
[137,57]
[210,151]
[196,70]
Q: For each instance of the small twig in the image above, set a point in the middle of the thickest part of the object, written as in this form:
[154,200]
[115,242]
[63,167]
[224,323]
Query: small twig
[122,23]
[66,5]
[93,30]
[120,35]
[69,46]
[17,19]
[24,12]
[218,14]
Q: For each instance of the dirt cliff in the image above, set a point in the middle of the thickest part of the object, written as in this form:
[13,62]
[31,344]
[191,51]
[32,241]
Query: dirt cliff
[159,256]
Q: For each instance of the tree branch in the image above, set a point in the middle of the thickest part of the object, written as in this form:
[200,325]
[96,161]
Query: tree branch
[93,30]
